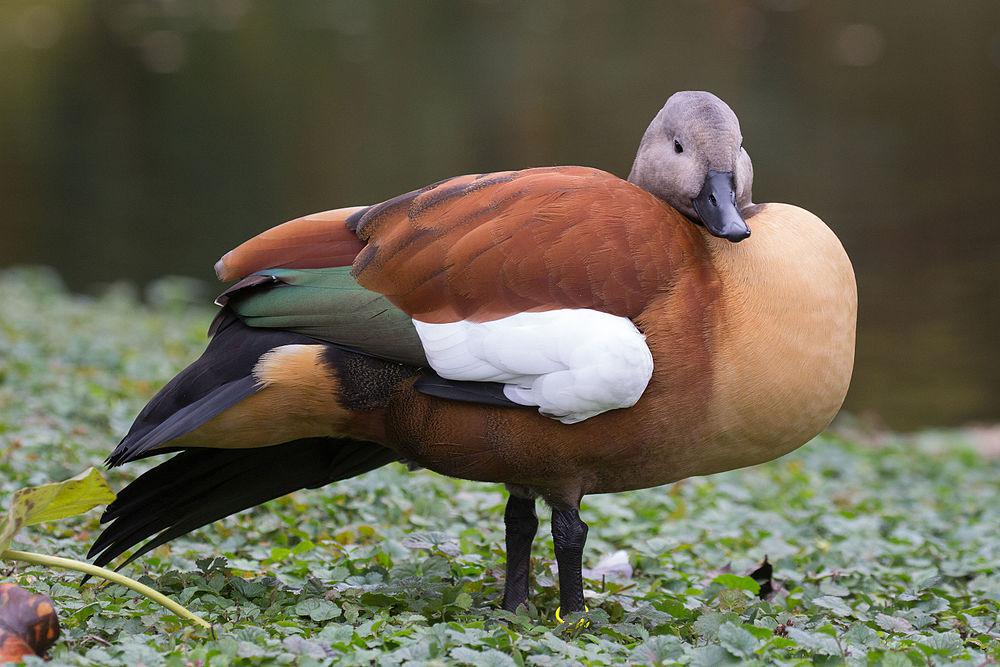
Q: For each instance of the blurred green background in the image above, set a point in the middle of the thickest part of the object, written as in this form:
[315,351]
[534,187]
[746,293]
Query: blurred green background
[143,138]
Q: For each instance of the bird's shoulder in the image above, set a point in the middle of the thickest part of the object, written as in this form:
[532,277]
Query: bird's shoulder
[484,246]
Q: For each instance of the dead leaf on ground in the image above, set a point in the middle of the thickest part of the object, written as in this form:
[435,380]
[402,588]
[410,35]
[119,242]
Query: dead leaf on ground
[29,625]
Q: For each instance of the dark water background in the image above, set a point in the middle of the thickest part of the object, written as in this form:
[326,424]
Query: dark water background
[141,138]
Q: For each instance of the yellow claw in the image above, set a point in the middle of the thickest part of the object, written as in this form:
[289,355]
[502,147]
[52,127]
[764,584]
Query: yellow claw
[582,623]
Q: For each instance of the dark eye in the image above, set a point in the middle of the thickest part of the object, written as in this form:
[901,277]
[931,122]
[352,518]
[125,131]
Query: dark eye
[677,147]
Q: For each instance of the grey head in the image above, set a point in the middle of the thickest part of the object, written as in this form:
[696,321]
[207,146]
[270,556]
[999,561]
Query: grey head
[692,157]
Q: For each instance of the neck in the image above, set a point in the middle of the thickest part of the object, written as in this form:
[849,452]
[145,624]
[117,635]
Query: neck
[786,339]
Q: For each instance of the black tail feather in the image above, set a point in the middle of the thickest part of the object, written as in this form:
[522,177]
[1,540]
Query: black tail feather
[220,378]
[199,486]
[184,420]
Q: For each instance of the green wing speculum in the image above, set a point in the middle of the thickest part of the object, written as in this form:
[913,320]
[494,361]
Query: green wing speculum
[327,304]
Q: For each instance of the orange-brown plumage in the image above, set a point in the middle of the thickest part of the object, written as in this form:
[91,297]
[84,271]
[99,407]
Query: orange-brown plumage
[312,241]
[741,345]
[481,247]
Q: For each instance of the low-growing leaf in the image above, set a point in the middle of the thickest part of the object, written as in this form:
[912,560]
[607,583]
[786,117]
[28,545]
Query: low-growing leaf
[860,634]
[707,625]
[834,604]
[815,642]
[657,651]
[737,582]
[983,625]
[713,656]
[736,640]
[50,502]
[943,643]
[487,658]
[891,623]
[317,609]
[895,659]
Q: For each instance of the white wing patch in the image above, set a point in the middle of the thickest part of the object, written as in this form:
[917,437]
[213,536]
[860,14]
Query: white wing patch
[571,363]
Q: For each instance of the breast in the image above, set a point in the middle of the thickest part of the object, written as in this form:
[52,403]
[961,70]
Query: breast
[784,350]
[751,361]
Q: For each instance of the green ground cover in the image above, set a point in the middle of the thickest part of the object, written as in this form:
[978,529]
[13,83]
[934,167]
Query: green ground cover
[885,549]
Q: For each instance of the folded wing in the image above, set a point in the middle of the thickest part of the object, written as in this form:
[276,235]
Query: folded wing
[474,249]
[486,246]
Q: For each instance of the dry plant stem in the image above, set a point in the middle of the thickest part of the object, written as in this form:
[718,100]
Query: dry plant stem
[93,570]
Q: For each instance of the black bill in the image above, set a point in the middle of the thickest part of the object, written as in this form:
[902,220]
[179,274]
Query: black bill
[716,207]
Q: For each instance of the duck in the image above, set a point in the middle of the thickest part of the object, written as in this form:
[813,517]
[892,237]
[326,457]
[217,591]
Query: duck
[559,330]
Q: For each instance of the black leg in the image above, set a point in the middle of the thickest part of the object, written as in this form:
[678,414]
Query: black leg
[521,523]
[569,533]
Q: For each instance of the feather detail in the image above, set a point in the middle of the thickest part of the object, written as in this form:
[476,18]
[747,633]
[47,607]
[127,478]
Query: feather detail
[483,247]
[572,364]
[484,393]
[199,486]
[314,241]
[220,378]
[329,305]
[251,387]
[476,249]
